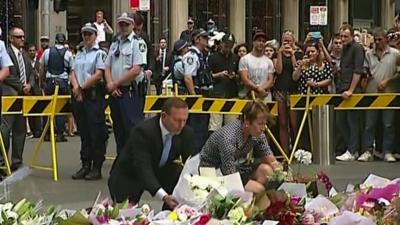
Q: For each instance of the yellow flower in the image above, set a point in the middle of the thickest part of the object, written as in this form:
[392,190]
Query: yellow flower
[173,216]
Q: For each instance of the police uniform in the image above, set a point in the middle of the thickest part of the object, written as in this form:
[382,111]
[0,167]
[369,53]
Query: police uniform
[89,114]
[57,74]
[5,61]
[193,65]
[127,110]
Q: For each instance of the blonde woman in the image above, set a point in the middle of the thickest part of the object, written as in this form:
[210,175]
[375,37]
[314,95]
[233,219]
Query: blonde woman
[285,86]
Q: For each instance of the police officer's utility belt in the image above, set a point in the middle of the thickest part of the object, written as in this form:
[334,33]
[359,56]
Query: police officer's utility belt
[56,80]
[136,87]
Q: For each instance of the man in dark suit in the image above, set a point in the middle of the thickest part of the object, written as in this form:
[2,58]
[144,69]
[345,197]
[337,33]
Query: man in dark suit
[20,82]
[35,122]
[153,158]
[162,63]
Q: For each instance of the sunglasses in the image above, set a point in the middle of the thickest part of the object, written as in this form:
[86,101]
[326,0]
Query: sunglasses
[18,36]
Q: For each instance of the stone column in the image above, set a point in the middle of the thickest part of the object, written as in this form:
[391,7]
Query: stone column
[237,19]
[387,13]
[341,13]
[178,17]
[290,16]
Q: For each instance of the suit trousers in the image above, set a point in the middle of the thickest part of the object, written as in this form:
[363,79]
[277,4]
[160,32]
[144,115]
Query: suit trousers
[129,187]
[126,113]
[15,124]
[90,120]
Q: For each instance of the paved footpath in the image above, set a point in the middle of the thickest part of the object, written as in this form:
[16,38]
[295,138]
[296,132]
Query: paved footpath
[68,193]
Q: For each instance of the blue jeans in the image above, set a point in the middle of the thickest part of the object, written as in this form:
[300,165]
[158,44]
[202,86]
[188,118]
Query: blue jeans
[371,120]
[348,124]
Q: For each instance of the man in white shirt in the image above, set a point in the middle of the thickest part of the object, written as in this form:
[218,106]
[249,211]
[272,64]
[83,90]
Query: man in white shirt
[256,70]
[102,27]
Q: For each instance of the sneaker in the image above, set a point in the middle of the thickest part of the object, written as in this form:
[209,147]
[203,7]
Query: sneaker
[366,157]
[347,156]
[389,157]
[396,156]
[29,135]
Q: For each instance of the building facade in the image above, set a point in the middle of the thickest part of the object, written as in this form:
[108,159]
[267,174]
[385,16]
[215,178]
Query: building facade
[167,18]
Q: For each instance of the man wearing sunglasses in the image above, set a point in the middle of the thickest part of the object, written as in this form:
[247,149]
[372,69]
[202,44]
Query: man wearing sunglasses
[19,83]
[124,78]
[187,34]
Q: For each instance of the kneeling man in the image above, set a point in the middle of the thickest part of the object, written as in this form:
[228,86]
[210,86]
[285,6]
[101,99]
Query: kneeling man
[152,158]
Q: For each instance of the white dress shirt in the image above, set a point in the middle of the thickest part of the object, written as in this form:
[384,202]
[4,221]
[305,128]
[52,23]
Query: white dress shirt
[161,193]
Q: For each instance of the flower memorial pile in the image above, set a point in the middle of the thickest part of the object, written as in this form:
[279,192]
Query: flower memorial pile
[221,200]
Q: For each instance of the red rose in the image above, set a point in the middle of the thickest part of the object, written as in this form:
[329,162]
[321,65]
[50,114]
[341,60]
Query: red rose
[204,219]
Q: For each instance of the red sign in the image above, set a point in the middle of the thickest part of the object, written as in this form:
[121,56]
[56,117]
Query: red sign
[134,4]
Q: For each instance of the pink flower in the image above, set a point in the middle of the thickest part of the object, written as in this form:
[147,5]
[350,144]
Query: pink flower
[311,218]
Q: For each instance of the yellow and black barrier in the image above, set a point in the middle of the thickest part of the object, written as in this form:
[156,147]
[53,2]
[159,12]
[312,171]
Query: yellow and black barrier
[55,105]
[199,104]
[355,102]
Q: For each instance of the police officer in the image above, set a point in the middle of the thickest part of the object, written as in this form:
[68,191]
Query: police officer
[55,66]
[125,81]
[197,81]
[145,48]
[181,47]
[5,63]
[88,104]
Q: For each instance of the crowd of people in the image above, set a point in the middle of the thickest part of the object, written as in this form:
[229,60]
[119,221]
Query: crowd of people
[202,62]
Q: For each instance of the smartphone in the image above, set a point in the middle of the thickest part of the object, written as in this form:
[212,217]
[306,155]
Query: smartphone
[316,35]
[298,55]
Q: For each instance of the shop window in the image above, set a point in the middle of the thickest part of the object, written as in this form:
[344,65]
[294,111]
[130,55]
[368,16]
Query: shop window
[265,15]
[203,10]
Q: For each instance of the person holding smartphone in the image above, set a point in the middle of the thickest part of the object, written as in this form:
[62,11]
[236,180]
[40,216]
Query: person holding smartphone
[284,86]
[313,71]
[102,27]
[224,67]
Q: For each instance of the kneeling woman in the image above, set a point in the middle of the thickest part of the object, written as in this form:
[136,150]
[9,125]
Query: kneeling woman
[242,147]
[88,104]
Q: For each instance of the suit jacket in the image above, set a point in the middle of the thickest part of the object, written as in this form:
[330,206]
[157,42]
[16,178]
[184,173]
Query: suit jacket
[12,84]
[137,164]
[158,63]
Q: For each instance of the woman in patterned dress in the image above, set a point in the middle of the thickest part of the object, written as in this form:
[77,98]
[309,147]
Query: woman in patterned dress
[313,71]
[243,147]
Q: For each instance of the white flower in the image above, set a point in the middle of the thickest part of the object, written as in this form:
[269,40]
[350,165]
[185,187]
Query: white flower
[237,215]
[6,207]
[303,156]
[146,209]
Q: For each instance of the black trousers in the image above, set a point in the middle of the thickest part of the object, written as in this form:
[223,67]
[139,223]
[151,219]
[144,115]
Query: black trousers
[15,124]
[90,120]
[63,90]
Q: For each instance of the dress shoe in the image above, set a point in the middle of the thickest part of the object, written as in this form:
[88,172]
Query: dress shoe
[61,138]
[94,174]
[80,174]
